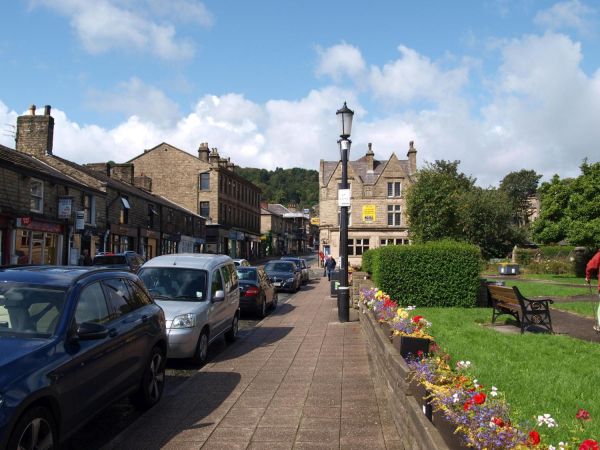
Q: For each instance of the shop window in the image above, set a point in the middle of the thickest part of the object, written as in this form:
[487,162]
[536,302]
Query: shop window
[204,181]
[124,211]
[89,206]
[349,215]
[37,195]
[394,215]
[205,209]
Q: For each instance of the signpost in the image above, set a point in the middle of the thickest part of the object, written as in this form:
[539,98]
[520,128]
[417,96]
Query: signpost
[344,198]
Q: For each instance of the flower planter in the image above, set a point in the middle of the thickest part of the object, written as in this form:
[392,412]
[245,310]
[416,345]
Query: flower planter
[421,395]
[446,430]
[387,330]
[406,345]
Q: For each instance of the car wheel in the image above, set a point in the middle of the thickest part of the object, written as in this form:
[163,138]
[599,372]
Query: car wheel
[262,313]
[34,430]
[201,349]
[275,300]
[153,382]
[231,335]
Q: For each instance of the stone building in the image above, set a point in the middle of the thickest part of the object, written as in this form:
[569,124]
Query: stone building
[376,215]
[276,231]
[208,185]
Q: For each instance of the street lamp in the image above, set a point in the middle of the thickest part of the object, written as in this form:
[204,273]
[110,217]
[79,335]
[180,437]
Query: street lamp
[344,116]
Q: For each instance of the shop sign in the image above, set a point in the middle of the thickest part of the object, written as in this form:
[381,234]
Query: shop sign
[306,211]
[368,213]
[144,232]
[65,208]
[314,221]
[38,225]
[123,230]
[240,236]
[171,237]
[79,220]
[233,235]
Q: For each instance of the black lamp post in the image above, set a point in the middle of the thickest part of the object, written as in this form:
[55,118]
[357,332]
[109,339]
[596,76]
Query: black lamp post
[344,116]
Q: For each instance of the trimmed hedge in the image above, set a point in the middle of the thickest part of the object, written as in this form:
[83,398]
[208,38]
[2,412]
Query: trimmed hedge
[367,260]
[434,274]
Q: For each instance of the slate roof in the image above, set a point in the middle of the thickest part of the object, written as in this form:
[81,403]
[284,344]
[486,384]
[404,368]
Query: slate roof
[359,168]
[278,209]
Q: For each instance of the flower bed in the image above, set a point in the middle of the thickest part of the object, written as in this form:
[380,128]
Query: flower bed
[479,415]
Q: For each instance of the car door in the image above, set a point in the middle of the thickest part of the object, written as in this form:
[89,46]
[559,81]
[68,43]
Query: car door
[132,316]
[97,363]
[232,294]
[217,308]
[266,285]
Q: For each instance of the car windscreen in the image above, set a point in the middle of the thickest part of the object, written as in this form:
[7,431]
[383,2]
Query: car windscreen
[181,284]
[109,260]
[247,274]
[30,310]
[279,267]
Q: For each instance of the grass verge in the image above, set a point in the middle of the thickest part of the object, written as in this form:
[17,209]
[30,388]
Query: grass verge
[538,373]
[571,279]
[581,308]
[547,290]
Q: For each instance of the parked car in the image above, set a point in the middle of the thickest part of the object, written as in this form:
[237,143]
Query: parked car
[74,340]
[285,275]
[124,261]
[241,262]
[200,296]
[256,291]
[301,263]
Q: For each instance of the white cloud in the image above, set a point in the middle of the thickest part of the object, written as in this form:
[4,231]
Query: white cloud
[339,60]
[572,14]
[104,25]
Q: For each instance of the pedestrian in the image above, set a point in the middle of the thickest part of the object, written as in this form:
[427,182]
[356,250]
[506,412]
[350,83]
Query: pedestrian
[329,266]
[325,266]
[594,265]
[321,258]
[85,259]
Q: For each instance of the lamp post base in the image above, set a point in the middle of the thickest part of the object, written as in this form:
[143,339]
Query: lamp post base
[344,304]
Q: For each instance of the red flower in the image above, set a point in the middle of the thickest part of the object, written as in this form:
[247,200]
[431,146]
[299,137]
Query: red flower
[499,422]
[417,318]
[534,438]
[388,304]
[479,398]
[589,445]
[467,405]
[582,415]
[420,352]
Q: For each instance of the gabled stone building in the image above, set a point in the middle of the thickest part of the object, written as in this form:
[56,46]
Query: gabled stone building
[376,215]
[209,186]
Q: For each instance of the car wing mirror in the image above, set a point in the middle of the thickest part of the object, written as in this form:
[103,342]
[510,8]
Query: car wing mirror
[219,296]
[89,331]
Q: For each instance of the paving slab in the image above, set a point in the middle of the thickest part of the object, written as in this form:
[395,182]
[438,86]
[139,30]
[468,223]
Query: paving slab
[300,380]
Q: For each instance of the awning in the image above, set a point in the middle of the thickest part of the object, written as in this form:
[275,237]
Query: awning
[125,203]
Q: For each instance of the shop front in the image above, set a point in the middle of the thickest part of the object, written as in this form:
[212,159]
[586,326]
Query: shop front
[169,243]
[122,238]
[37,242]
[190,244]
[5,221]
[90,239]
[217,240]
[149,240]
[266,247]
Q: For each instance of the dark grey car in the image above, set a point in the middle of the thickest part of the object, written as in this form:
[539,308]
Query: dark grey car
[285,275]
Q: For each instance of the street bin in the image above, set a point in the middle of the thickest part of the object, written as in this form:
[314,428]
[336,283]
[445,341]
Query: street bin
[334,286]
[335,275]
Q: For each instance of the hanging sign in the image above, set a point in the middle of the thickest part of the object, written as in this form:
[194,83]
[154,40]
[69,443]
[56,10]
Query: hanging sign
[65,208]
[368,213]
[79,220]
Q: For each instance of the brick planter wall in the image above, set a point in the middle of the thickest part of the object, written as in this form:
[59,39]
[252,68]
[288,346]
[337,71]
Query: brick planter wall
[418,433]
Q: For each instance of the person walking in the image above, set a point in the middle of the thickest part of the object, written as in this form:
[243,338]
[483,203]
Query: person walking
[85,259]
[593,266]
[321,258]
[329,266]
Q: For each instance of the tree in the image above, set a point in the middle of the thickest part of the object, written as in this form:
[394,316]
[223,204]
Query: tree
[445,204]
[571,209]
[520,187]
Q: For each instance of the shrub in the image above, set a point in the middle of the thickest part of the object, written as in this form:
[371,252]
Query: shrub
[367,260]
[442,273]
[552,251]
[552,267]
[526,255]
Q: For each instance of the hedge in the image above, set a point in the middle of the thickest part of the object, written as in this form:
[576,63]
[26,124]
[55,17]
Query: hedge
[367,260]
[433,274]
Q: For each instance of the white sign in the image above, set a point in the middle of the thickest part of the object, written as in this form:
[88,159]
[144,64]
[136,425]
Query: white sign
[344,197]
[65,207]
[80,220]
[306,211]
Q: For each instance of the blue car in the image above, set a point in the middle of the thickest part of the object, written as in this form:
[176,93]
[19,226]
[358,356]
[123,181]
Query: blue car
[73,340]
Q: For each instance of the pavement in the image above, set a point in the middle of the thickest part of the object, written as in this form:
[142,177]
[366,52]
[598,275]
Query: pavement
[300,380]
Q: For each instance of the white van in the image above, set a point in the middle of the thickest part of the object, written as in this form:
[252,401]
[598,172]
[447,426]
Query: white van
[199,294]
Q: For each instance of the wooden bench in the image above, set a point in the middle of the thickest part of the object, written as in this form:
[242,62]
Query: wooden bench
[508,300]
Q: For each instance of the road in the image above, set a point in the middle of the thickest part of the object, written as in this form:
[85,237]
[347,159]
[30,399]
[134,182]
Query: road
[117,417]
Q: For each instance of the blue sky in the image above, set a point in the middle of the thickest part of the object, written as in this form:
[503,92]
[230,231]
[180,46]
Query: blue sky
[499,84]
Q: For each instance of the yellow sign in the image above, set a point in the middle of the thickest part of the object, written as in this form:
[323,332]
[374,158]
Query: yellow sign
[314,221]
[369,213]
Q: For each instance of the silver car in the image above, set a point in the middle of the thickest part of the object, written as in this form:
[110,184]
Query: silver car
[199,294]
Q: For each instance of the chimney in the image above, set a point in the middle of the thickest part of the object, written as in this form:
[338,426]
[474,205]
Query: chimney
[100,167]
[412,158]
[370,159]
[143,182]
[35,134]
[203,152]
[213,157]
[223,162]
[230,165]
[292,207]
[264,205]
[123,172]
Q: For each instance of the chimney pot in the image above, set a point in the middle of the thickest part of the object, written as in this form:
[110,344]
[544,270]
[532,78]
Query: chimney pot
[32,110]
[47,110]
[370,145]
[412,143]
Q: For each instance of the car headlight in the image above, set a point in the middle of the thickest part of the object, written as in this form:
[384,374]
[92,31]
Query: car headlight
[184,321]
[1,400]
[291,280]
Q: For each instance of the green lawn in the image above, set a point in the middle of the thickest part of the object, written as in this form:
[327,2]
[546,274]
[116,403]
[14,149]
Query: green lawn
[583,308]
[539,373]
[546,290]
[572,279]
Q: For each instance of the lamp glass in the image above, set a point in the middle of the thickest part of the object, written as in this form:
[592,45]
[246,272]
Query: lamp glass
[345,116]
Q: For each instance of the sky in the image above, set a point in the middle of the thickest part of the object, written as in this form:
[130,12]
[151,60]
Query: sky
[500,85]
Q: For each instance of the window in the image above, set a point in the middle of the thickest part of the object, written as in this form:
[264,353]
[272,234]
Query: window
[92,305]
[349,215]
[394,215]
[151,213]
[89,206]
[138,296]
[204,181]
[37,196]
[221,184]
[204,209]
[118,293]
[124,213]
[357,246]
[394,189]
[216,283]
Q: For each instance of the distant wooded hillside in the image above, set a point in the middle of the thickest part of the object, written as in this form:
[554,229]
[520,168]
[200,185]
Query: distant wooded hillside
[286,186]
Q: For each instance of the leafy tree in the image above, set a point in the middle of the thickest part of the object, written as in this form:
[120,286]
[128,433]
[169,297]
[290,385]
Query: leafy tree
[571,209]
[520,187]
